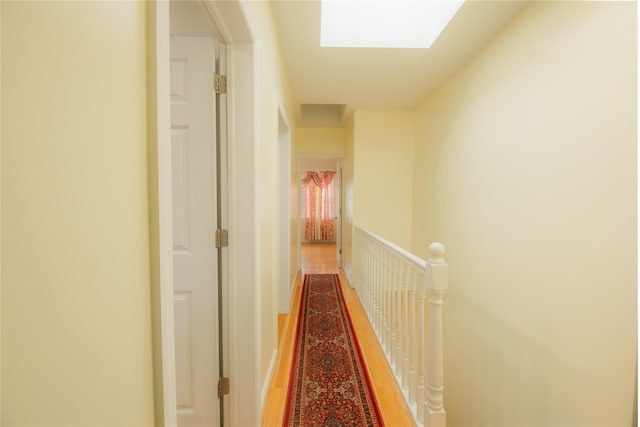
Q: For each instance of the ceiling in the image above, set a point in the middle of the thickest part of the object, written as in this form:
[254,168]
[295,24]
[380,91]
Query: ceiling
[379,79]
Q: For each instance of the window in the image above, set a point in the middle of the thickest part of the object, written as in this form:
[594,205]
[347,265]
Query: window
[317,189]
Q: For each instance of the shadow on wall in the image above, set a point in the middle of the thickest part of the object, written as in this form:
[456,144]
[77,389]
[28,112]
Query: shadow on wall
[496,376]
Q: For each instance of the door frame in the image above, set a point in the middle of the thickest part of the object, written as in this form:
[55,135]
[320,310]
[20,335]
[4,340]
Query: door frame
[230,18]
[340,217]
[286,280]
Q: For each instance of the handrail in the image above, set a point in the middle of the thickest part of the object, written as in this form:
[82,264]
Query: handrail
[402,252]
[393,285]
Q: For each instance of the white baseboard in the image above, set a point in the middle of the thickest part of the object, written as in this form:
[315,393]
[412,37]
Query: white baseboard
[292,286]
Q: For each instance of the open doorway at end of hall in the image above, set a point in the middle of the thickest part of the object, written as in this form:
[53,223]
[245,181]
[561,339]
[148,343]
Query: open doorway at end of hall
[319,225]
[320,197]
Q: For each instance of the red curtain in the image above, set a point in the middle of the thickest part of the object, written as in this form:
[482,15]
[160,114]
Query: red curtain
[318,205]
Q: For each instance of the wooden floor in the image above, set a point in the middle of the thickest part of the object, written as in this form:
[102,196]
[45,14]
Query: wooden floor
[321,258]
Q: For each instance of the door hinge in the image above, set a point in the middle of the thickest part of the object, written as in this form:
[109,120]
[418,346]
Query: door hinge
[222,238]
[223,386]
[340,251]
[220,83]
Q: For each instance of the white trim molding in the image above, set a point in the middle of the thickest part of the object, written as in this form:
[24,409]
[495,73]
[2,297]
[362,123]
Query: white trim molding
[231,20]
[161,220]
[244,337]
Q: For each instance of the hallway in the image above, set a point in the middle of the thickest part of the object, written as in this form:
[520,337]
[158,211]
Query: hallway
[520,157]
[320,258]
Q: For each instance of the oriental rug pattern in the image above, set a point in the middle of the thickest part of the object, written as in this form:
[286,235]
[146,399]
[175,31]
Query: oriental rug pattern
[329,385]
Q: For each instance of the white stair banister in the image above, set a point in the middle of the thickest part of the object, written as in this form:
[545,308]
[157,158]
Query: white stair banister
[403,296]
[437,281]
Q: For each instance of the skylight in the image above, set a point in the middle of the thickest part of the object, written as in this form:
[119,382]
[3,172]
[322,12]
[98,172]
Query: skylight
[384,23]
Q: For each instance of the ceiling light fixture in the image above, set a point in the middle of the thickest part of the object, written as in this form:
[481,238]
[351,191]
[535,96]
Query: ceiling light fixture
[384,23]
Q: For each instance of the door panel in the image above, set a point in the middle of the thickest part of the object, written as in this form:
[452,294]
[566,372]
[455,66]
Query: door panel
[184,386]
[194,221]
[180,181]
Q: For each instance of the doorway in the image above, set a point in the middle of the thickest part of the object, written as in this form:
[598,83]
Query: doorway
[326,227]
[287,265]
[239,268]
[197,146]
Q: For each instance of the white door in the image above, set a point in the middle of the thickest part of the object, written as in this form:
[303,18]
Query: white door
[193,140]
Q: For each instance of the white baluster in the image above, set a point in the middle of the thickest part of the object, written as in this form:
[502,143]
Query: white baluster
[366,280]
[367,264]
[362,274]
[370,278]
[383,299]
[358,261]
[394,313]
[405,326]
[378,299]
[421,395]
[372,284]
[367,275]
[437,282]
[387,303]
[397,317]
[383,283]
[413,374]
[363,271]
[380,296]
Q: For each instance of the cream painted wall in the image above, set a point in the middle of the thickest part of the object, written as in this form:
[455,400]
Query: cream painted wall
[272,87]
[76,333]
[525,168]
[328,140]
[383,173]
[0,210]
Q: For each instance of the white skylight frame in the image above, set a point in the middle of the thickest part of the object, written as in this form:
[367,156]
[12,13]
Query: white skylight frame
[384,23]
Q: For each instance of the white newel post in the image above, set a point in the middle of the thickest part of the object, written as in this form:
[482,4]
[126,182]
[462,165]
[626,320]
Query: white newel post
[437,278]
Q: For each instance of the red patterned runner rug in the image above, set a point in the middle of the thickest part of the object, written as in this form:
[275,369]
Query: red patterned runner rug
[329,385]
